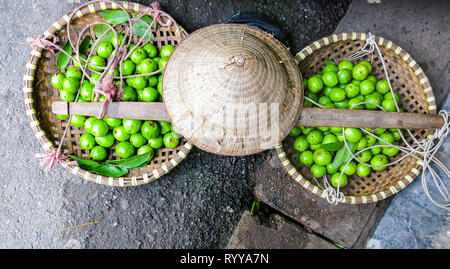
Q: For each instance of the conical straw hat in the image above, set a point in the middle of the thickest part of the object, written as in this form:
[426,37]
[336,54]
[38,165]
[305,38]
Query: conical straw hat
[232,89]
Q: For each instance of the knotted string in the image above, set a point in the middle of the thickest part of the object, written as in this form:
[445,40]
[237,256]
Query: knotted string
[424,151]
[43,42]
[50,158]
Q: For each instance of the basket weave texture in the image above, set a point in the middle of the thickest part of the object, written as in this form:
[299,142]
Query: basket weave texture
[416,95]
[39,95]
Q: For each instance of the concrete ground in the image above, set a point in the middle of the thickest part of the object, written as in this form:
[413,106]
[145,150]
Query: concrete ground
[197,205]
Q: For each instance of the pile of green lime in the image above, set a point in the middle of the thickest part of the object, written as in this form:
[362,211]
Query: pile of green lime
[130,137]
[323,149]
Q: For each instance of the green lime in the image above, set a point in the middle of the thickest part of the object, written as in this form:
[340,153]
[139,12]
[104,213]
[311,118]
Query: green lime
[345,76]
[137,140]
[364,156]
[145,149]
[342,104]
[352,134]
[87,91]
[73,72]
[306,157]
[148,66]
[336,130]
[330,169]
[350,169]
[113,122]
[327,90]
[314,137]
[337,95]
[120,134]
[131,126]
[330,79]
[390,151]
[97,63]
[138,55]
[151,50]
[67,96]
[379,131]
[373,99]
[363,170]
[322,157]
[88,124]
[71,84]
[148,94]
[128,67]
[352,90]
[396,134]
[389,105]
[57,80]
[360,72]
[368,65]
[345,64]
[301,143]
[167,50]
[153,81]
[296,131]
[98,153]
[104,49]
[318,171]
[388,96]
[95,78]
[362,144]
[329,139]
[336,180]
[315,84]
[63,117]
[376,150]
[330,68]
[76,61]
[124,149]
[150,129]
[117,40]
[171,140]
[165,126]
[306,130]
[87,141]
[378,160]
[156,142]
[105,141]
[372,79]
[77,121]
[323,100]
[129,94]
[366,87]
[388,137]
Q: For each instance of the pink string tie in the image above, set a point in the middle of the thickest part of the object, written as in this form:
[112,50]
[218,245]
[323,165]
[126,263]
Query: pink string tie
[43,42]
[50,158]
[157,15]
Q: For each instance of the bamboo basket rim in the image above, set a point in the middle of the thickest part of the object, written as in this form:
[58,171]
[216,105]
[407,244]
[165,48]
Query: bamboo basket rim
[401,183]
[28,78]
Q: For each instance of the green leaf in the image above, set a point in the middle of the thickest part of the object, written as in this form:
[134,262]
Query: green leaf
[332,146]
[343,155]
[63,60]
[134,161]
[84,46]
[114,16]
[99,29]
[108,170]
[139,27]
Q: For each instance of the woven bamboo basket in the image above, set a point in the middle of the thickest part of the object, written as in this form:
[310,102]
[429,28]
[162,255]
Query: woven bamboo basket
[416,95]
[39,95]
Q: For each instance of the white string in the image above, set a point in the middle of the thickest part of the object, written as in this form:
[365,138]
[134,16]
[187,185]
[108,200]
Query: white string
[424,151]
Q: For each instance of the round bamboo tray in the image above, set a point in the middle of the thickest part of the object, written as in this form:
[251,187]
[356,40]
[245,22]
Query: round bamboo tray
[416,95]
[39,95]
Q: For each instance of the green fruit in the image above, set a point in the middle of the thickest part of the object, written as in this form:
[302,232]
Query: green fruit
[345,76]
[296,131]
[97,63]
[129,94]
[162,63]
[150,129]
[138,55]
[165,126]
[342,104]
[330,169]
[382,86]
[171,140]
[117,40]
[338,95]
[324,129]
[370,140]
[159,88]
[322,157]
[388,137]
[323,100]
[137,140]
[73,72]
[76,61]
[368,65]
[105,141]
[364,156]
[374,99]
[314,137]
[98,153]
[132,126]
[113,122]
[350,169]
[57,80]
[145,149]
[390,151]
[120,134]
[318,171]
[167,50]
[124,149]
[366,87]
[104,49]
[330,68]
[67,96]
[360,72]
[71,85]
[63,117]
[99,128]
[389,105]
[363,170]
[336,130]
[88,124]
[87,91]
[153,81]
[77,121]
[376,150]
[148,94]
[327,91]
[330,79]
[388,96]
[147,66]
[95,78]
[345,64]
[315,84]
[151,50]
[301,143]
[87,141]
[396,134]
[128,67]
[156,142]
[306,157]
[352,134]
[362,144]
[329,139]
[336,182]
[306,130]
[139,83]
[379,131]
[377,160]
[352,90]
[372,79]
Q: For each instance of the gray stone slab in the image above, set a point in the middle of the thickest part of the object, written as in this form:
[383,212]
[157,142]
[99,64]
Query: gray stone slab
[279,233]
[419,27]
